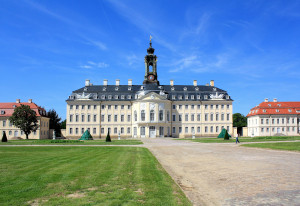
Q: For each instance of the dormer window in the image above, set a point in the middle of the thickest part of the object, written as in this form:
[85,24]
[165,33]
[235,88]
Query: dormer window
[14,106]
[277,110]
[173,97]
[2,112]
[129,88]
[264,111]
[179,97]
[117,88]
[116,96]
[198,97]
[214,89]
[109,96]
[104,89]
[172,88]
[290,110]
[186,97]
[160,87]
[184,89]
[205,96]
[142,87]
[122,96]
[279,105]
[197,88]
[269,105]
[129,97]
[103,97]
[227,96]
[192,96]
[85,89]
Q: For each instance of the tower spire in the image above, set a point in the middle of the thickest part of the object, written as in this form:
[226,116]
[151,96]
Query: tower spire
[150,66]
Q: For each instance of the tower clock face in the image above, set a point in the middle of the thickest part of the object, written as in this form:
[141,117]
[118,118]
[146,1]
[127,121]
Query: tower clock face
[151,77]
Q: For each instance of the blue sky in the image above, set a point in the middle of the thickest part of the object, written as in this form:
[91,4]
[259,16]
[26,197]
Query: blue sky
[250,48]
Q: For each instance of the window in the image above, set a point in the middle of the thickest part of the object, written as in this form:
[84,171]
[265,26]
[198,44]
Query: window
[186,118]
[283,129]
[273,121]
[108,106]
[95,106]
[122,106]
[282,121]
[128,107]
[161,115]
[174,106]
[206,117]
[122,130]
[108,118]
[192,117]
[211,106]
[174,118]
[198,117]
[222,106]
[293,120]
[173,97]
[152,114]
[122,118]
[82,130]
[76,130]
[82,117]
[77,106]
[228,128]
[174,130]
[228,106]
[288,120]
[95,118]
[10,124]
[168,116]
[217,117]
[186,106]
[71,106]
[82,106]
[267,121]
[128,130]
[211,129]
[128,118]
[116,118]
[71,131]
[76,118]
[135,131]
[198,129]
[206,129]
[277,121]
[217,129]
[186,130]
[262,121]
[94,130]
[116,106]
[143,115]
[115,130]
[267,129]
[198,106]
[222,117]
[198,97]
[142,131]
[179,129]
[277,110]
[102,106]
[273,129]
[102,130]
[186,97]
[206,106]
[108,129]
[135,116]
[211,117]
[262,129]
[71,118]
[89,106]
[89,118]
[102,117]
[217,106]
[228,117]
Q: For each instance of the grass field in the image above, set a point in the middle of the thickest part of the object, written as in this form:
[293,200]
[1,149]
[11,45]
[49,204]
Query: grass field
[244,139]
[291,146]
[85,176]
[72,142]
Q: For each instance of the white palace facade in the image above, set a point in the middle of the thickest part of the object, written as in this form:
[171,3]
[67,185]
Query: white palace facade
[148,110]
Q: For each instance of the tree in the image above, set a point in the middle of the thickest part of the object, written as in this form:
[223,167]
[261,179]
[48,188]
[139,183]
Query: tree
[108,138]
[63,124]
[239,120]
[4,138]
[54,121]
[25,119]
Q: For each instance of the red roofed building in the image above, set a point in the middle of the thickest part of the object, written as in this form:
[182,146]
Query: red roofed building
[274,118]
[12,132]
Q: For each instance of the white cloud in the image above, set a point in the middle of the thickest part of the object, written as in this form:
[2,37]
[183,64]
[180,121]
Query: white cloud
[94,65]
[86,66]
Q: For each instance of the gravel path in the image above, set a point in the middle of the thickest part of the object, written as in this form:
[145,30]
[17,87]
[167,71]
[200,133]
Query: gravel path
[226,174]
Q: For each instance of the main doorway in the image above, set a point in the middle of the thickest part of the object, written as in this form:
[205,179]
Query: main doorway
[152,132]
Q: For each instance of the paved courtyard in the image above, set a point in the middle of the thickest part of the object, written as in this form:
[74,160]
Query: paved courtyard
[227,174]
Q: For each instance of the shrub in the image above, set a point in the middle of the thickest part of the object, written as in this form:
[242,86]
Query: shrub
[4,138]
[226,136]
[108,138]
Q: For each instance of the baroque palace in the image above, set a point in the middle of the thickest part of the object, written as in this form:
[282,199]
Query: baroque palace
[148,110]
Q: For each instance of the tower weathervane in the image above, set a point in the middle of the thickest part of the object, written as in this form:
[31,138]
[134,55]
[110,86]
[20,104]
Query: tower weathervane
[150,38]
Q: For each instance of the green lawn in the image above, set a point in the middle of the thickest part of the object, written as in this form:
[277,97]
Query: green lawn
[291,146]
[85,176]
[72,142]
[244,139]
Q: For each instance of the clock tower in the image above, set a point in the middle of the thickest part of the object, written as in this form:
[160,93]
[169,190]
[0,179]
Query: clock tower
[150,66]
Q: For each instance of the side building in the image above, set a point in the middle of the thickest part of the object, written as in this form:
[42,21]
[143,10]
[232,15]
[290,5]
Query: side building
[148,110]
[12,132]
[274,118]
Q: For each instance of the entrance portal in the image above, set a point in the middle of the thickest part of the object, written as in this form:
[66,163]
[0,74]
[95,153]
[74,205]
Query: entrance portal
[152,132]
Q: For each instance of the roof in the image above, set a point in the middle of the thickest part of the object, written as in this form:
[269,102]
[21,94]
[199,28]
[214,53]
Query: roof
[275,108]
[7,108]
[128,93]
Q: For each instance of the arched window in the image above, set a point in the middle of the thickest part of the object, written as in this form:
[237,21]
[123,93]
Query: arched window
[152,115]
[143,115]
[161,115]
[135,116]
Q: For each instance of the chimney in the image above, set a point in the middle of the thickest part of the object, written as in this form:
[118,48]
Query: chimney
[212,83]
[275,100]
[117,82]
[105,82]
[29,100]
[129,82]
[87,82]
[18,101]
[195,83]
[266,100]
[171,82]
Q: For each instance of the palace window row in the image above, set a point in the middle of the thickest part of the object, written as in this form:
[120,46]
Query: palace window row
[207,129]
